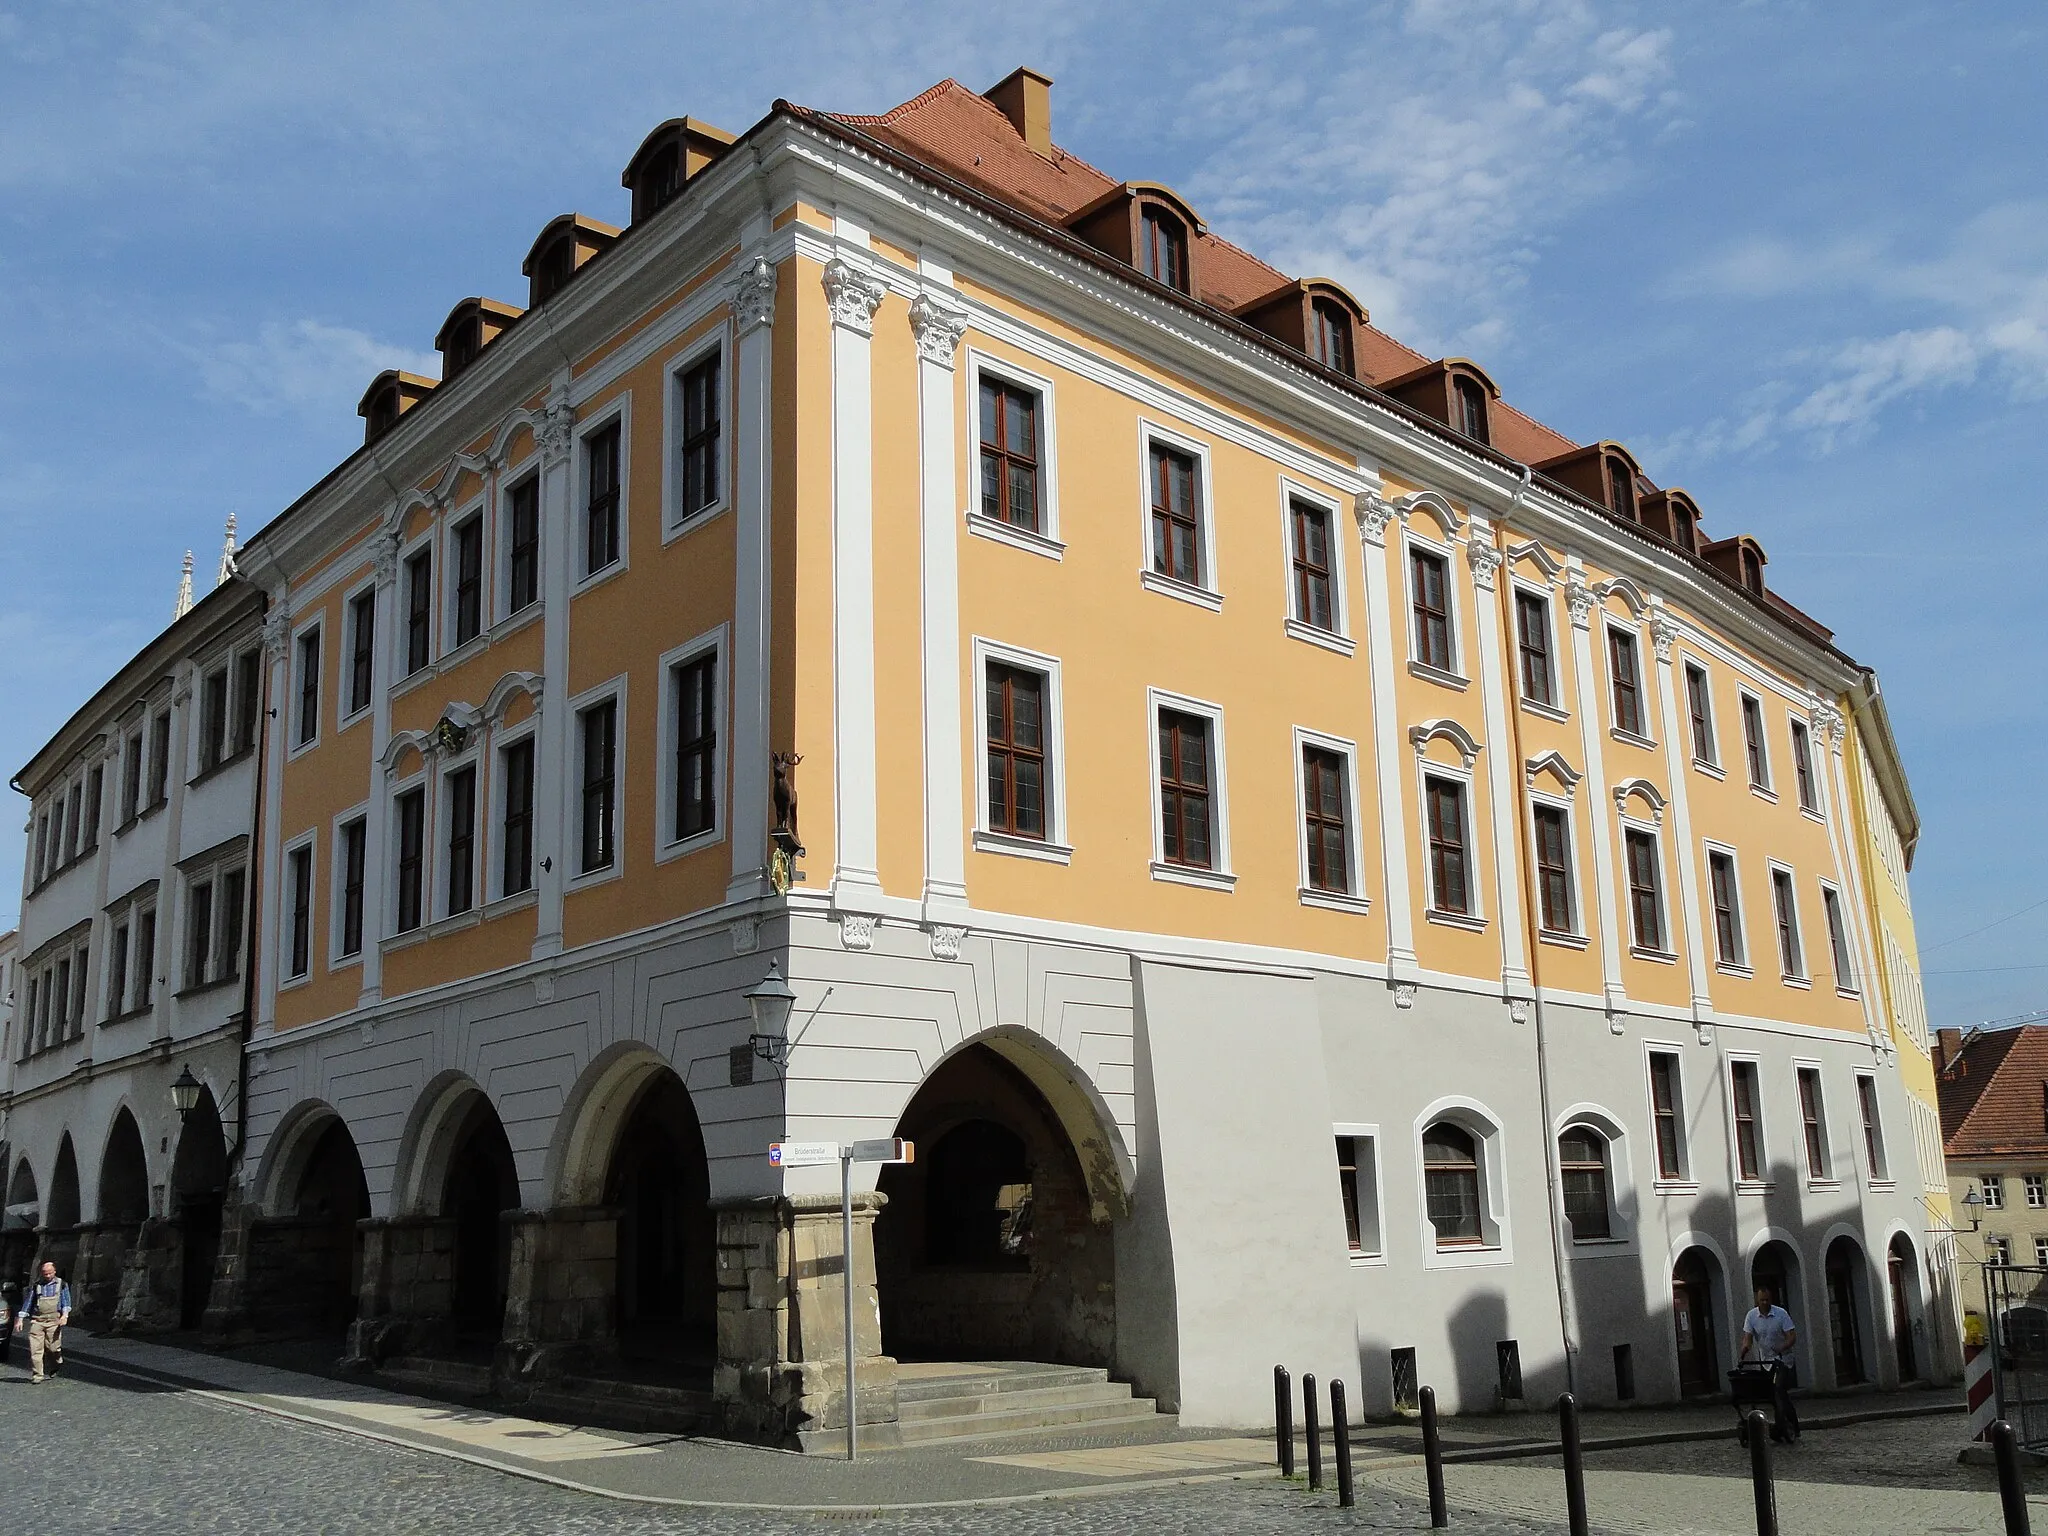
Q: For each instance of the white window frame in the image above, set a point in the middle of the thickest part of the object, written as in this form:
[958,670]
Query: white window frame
[1742,965]
[1992,1187]
[1621,1224]
[337,870]
[448,582]
[1519,586]
[294,748]
[392,934]
[401,611]
[1798,731]
[1687,1182]
[1047,541]
[307,840]
[212,872]
[1834,916]
[1574,937]
[1338,637]
[441,821]
[575,878]
[1496,1240]
[1803,977]
[345,663]
[1353,897]
[1762,1182]
[618,409]
[1219,876]
[1714,767]
[1609,627]
[1668,954]
[1376,1256]
[1881,1177]
[2029,1182]
[1209,594]
[673,523]
[1054,848]
[498,611]
[1447,551]
[1745,697]
[1829,1178]
[503,738]
[1475,916]
[714,642]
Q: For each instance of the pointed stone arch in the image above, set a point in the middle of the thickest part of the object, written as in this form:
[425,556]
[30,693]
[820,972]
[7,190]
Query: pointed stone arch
[123,1195]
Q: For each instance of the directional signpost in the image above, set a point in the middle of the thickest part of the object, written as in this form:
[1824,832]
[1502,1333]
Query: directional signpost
[812,1154]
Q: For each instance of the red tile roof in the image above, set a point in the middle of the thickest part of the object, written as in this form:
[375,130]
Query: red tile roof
[1994,1094]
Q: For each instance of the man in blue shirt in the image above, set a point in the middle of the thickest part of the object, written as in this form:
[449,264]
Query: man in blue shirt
[44,1312]
[1768,1331]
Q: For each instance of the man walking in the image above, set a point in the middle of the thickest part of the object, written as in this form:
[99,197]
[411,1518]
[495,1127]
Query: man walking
[1769,1332]
[44,1312]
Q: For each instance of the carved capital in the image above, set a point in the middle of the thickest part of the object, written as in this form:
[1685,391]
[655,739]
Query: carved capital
[554,430]
[1827,722]
[753,296]
[1485,558]
[854,296]
[746,935]
[1663,635]
[1373,514]
[938,326]
[857,930]
[946,941]
[386,556]
[1579,598]
[277,629]
[1404,994]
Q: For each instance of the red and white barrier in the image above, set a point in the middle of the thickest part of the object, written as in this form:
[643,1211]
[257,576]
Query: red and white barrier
[1977,1389]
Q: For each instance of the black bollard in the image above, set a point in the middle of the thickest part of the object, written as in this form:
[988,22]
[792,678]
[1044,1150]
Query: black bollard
[1760,1475]
[1433,1461]
[1283,1418]
[1340,1433]
[2012,1490]
[1312,1429]
[1574,1464]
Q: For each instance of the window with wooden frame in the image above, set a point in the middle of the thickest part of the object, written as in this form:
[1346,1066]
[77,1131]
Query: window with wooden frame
[213,719]
[469,580]
[1699,708]
[1645,890]
[1329,341]
[522,562]
[694,687]
[145,957]
[308,724]
[1873,1137]
[1621,490]
[355,839]
[299,912]
[702,409]
[309,720]
[1314,594]
[1325,823]
[362,638]
[1554,869]
[599,726]
[1785,898]
[1802,765]
[1532,646]
[1727,897]
[1749,1146]
[1449,886]
[1666,1101]
[1582,1169]
[1163,247]
[1626,680]
[1993,1186]
[1813,1120]
[117,970]
[1185,805]
[131,779]
[1176,516]
[460,841]
[198,933]
[515,862]
[1358,1186]
[1429,578]
[601,499]
[1753,742]
[248,698]
[412,859]
[1010,454]
[419,611]
[1838,938]
[1018,790]
[1451,1185]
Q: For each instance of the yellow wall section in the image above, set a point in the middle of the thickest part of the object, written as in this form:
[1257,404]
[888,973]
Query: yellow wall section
[899,628]
[810,593]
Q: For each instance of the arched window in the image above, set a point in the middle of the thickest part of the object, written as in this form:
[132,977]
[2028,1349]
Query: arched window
[383,414]
[557,266]
[464,342]
[1163,247]
[1471,409]
[1582,1162]
[1450,1184]
[1752,571]
[660,180]
[1621,490]
[1329,341]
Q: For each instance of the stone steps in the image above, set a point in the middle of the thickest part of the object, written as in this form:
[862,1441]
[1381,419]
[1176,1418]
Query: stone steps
[464,1378]
[1008,1402]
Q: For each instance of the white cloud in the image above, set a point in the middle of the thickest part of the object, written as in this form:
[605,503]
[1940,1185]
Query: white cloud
[1869,375]
[302,366]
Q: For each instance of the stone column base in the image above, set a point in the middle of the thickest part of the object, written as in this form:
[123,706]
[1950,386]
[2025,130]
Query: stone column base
[151,1275]
[561,1303]
[408,1288]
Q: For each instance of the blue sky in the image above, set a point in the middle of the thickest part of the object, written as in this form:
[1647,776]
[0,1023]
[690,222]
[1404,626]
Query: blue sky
[1799,264]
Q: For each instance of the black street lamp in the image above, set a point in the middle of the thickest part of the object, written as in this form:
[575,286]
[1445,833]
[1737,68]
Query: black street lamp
[771,1002]
[185,1092]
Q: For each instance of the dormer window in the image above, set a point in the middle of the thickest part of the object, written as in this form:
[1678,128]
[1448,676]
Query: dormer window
[1330,338]
[464,342]
[1163,248]
[1684,531]
[559,252]
[1471,403]
[1312,315]
[666,160]
[556,266]
[660,180]
[390,395]
[1752,571]
[1621,490]
[382,414]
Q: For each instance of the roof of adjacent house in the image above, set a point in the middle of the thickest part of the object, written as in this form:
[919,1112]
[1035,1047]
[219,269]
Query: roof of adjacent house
[1993,1086]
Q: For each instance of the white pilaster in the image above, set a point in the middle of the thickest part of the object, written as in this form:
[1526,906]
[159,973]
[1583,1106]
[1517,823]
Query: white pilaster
[1581,602]
[554,434]
[939,324]
[377,819]
[1663,633]
[853,295]
[753,307]
[1389,747]
[277,644]
[1502,772]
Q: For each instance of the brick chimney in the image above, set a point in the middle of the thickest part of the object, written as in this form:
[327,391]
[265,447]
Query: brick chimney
[1948,1044]
[1025,98]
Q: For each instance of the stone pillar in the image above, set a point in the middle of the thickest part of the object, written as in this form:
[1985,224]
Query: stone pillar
[150,1279]
[96,1283]
[561,1308]
[228,1304]
[408,1287]
[781,1352]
